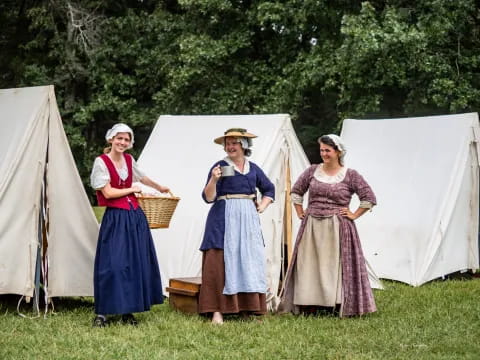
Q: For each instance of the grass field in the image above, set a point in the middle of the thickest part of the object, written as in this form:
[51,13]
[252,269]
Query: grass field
[440,320]
[98,211]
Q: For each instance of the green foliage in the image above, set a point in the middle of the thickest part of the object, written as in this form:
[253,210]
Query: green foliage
[409,61]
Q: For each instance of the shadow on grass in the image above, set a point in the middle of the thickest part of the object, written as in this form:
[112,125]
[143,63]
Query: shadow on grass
[461,276]
[10,303]
[458,275]
[70,303]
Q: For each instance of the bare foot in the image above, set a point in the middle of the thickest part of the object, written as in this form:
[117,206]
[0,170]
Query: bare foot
[217,318]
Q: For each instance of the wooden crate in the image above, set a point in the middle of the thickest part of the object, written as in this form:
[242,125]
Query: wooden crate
[184,294]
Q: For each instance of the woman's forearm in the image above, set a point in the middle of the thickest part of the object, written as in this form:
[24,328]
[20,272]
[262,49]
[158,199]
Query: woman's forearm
[359,212]
[211,190]
[149,182]
[299,210]
[110,192]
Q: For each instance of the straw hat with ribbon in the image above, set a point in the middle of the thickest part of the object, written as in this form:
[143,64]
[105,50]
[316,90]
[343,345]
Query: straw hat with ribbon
[234,132]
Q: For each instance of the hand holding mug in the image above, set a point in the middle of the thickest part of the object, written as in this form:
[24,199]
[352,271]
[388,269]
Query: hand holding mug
[216,173]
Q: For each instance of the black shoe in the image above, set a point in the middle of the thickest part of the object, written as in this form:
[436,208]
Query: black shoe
[129,319]
[99,321]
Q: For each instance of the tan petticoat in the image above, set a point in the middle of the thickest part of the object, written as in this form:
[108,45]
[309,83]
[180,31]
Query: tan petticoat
[318,272]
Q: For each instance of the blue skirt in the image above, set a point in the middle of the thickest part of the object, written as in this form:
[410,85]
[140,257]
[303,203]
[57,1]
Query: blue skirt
[126,276]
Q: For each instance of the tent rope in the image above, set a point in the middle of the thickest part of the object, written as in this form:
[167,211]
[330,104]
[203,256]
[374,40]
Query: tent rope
[45,285]
[26,316]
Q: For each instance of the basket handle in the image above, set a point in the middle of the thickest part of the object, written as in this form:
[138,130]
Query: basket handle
[171,193]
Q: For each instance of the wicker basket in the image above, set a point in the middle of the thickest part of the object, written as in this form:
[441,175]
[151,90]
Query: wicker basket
[158,209]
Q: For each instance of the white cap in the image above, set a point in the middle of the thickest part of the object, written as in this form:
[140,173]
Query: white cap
[119,128]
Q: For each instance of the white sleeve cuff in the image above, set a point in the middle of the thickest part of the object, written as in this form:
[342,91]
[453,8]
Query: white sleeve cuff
[366,205]
[297,199]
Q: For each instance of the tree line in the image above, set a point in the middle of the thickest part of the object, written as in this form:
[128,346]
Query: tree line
[318,60]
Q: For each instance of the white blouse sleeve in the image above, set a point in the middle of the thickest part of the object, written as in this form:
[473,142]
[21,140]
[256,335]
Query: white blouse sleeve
[366,205]
[137,172]
[297,199]
[100,175]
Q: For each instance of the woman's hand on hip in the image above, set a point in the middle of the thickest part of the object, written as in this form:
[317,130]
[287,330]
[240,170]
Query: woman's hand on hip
[301,214]
[345,212]
[262,205]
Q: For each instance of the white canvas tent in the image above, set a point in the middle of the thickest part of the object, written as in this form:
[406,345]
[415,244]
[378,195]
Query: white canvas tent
[179,154]
[425,174]
[46,219]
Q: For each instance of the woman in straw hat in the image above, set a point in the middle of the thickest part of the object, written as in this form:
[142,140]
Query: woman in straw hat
[234,265]
[328,269]
[126,273]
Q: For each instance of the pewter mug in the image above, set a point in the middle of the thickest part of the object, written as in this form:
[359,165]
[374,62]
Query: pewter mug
[227,170]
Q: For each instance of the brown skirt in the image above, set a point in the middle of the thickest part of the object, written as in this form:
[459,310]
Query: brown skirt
[211,298]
